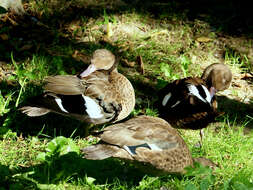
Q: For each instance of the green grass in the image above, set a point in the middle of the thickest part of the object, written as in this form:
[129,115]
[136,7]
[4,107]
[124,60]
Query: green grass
[44,152]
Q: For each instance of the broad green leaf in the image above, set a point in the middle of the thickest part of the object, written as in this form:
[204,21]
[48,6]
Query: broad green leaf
[61,145]
[70,147]
[190,186]
[166,69]
[41,156]
[204,184]
[90,180]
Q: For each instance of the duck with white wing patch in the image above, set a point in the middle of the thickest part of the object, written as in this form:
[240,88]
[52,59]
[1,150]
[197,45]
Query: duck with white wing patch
[149,142]
[98,95]
[190,103]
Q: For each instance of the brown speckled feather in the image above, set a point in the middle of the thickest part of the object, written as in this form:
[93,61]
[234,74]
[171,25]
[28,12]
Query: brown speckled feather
[133,132]
[167,152]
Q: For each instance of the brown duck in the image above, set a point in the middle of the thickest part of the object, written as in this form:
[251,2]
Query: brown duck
[98,95]
[144,139]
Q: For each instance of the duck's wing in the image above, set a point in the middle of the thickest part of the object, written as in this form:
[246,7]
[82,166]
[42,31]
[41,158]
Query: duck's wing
[145,139]
[64,85]
[90,100]
[142,132]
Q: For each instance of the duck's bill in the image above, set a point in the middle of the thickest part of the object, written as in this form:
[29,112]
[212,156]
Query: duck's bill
[88,71]
[212,91]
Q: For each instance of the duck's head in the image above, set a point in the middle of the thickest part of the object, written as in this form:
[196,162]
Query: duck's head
[218,76]
[102,59]
[206,162]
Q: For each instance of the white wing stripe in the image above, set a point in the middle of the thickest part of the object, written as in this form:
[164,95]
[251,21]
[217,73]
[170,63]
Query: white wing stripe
[208,96]
[194,91]
[92,108]
[59,103]
[166,99]
[175,104]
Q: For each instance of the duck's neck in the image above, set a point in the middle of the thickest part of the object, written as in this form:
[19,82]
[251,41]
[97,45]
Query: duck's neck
[113,68]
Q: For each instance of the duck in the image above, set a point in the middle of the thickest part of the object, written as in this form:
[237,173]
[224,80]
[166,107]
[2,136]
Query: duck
[190,103]
[148,141]
[217,75]
[98,95]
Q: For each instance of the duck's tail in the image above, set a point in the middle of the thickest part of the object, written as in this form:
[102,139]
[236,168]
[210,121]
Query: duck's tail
[40,105]
[99,151]
[34,111]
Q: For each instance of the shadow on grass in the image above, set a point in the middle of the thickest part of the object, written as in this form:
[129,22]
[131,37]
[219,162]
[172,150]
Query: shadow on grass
[231,17]
[71,167]
[50,125]
[237,112]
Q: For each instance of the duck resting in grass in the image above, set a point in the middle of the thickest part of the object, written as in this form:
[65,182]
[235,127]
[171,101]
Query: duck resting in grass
[98,95]
[190,103]
[149,141]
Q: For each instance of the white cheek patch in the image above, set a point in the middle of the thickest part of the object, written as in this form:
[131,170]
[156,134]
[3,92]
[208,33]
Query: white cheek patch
[166,99]
[208,96]
[59,103]
[194,91]
[92,108]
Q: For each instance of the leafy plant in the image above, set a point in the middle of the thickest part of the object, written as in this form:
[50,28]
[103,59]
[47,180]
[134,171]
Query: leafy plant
[58,147]
[203,175]
[185,62]
[4,102]
[167,70]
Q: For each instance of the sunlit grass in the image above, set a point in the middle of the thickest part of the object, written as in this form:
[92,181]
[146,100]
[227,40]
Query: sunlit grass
[170,50]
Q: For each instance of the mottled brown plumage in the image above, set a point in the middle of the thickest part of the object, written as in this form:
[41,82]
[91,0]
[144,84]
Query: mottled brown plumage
[98,95]
[144,139]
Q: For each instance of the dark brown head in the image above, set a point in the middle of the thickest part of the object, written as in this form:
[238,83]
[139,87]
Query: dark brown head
[217,75]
